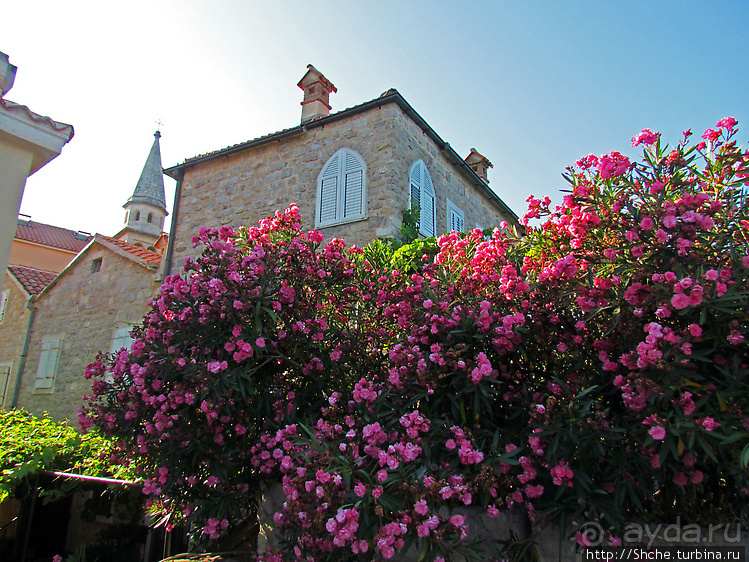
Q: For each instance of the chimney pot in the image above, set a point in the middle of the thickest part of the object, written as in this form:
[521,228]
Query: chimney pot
[317,89]
[479,164]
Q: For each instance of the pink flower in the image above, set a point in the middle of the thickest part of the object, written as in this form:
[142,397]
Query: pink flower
[457,520]
[708,423]
[711,135]
[657,432]
[680,301]
[612,165]
[727,123]
[680,479]
[696,477]
[316,236]
[421,507]
[695,330]
[646,136]
[647,223]
[735,337]
[260,342]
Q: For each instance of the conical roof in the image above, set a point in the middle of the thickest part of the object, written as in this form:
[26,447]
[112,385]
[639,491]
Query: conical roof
[150,188]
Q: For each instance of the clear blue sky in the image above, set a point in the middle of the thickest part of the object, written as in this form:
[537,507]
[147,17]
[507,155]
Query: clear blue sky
[532,85]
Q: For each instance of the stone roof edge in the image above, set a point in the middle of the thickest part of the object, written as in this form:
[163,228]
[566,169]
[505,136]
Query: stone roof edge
[391,96]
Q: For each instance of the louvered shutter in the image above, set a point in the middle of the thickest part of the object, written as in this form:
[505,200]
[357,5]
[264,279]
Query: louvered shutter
[427,203]
[354,187]
[328,205]
[45,374]
[4,380]
[342,189]
[416,186]
[455,217]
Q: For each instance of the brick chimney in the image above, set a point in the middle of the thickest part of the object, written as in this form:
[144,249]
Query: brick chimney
[7,74]
[317,90]
[479,164]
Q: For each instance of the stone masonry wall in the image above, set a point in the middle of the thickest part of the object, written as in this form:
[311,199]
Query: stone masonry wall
[85,308]
[450,182]
[12,334]
[242,188]
[248,186]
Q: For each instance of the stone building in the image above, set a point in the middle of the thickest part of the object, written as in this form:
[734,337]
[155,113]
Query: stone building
[90,307]
[38,253]
[352,173]
[58,323]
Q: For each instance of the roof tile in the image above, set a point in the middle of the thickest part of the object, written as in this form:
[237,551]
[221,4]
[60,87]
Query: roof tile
[32,279]
[148,256]
[53,236]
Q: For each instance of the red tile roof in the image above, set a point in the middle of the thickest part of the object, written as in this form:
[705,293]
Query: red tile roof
[146,255]
[52,236]
[33,280]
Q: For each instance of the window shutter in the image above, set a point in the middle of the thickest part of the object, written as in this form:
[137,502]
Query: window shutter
[45,374]
[329,191]
[353,192]
[455,217]
[4,380]
[416,185]
[122,338]
[427,203]
[341,189]
[3,303]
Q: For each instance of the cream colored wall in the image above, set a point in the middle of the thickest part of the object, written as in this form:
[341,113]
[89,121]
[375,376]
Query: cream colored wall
[15,166]
[40,257]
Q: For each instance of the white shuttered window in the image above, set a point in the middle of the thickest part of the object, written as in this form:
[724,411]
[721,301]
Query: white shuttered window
[455,218]
[48,359]
[342,189]
[422,194]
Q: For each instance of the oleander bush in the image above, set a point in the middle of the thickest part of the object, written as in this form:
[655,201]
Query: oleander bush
[594,369]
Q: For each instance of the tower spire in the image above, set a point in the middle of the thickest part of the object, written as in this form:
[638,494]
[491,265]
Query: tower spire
[146,207]
[150,187]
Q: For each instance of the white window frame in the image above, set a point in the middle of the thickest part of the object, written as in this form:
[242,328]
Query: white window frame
[4,297]
[341,189]
[6,370]
[420,186]
[456,218]
[49,361]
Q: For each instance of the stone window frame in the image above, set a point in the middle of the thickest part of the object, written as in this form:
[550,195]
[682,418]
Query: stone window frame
[456,218]
[421,186]
[49,362]
[334,206]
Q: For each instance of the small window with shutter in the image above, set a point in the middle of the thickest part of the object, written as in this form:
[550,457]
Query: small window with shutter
[455,218]
[342,189]
[422,194]
[48,360]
